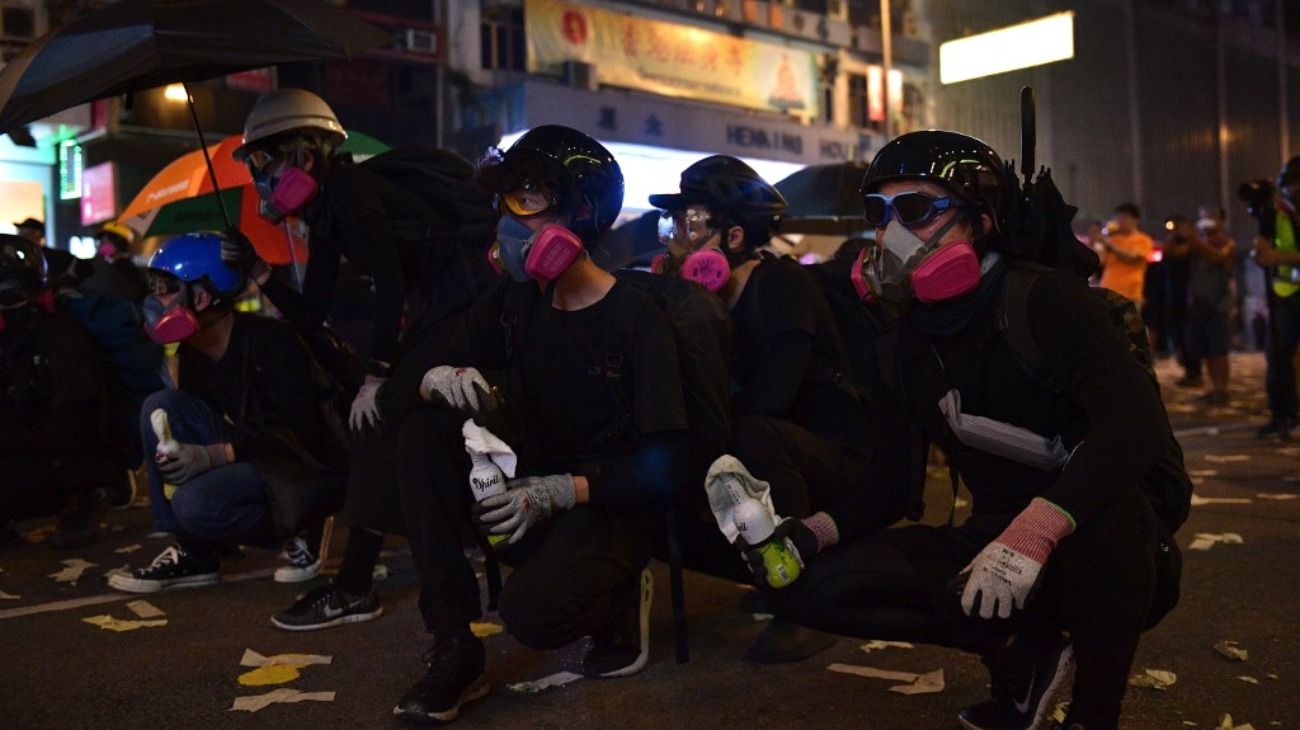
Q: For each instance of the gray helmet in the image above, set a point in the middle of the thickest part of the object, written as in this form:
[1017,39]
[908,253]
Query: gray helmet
[284,110]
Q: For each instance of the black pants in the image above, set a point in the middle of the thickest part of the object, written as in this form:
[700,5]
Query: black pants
[574,576]
[1281,383]
[1098,585]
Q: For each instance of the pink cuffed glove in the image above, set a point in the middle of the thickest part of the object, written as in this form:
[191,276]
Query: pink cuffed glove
[1005,571]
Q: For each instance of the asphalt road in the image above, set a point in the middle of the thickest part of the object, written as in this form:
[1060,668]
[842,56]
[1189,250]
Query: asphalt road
[60,672]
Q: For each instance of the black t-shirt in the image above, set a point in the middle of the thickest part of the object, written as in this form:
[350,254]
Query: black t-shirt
[268,388]
[580,372]
[789,356]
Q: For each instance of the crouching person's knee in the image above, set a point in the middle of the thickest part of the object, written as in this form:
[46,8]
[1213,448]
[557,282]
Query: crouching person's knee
[536,616]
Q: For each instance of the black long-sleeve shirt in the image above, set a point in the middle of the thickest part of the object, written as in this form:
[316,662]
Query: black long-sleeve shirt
[1098,398]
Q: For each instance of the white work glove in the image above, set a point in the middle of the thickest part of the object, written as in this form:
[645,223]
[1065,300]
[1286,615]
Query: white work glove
[1006,570]
[459,387]
[526,502]
[365,408]
[187,461]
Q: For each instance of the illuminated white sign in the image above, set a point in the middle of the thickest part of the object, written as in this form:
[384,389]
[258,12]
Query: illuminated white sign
[1032,43]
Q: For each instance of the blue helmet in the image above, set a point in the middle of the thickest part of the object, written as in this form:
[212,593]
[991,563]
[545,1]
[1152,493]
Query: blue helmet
[195,258]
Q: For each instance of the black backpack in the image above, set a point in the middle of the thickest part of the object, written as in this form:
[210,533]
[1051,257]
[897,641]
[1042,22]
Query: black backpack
[1167,486]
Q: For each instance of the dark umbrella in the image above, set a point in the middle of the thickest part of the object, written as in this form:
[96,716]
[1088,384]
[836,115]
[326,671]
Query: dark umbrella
[824,199]
[140,44]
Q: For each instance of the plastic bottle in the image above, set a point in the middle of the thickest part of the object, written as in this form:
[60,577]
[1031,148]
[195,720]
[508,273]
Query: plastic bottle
[486,480]
[167,445]
[754,523]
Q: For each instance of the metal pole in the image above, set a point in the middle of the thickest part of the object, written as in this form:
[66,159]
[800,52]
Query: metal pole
[887,62]
[203,145]
[1134,101]
[1283,115]
[439,17]
[1221,96]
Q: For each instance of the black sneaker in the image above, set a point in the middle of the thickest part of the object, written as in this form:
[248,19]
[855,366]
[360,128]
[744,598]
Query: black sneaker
[303,562]
[173,568]
[1280,427]
[453,679]
[1025,707]
[326,606]
[626,650]
[1188,381]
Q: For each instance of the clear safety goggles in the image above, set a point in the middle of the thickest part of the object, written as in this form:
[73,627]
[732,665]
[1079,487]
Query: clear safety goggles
[689,227]
[912,209]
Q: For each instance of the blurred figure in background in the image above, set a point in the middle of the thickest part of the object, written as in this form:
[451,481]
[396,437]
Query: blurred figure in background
[1213,257]
[1126,250]
[1177,266]
[113,272]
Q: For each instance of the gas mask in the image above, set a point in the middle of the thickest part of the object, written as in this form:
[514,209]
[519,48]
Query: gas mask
[683,232]
[901,266]
[168,323]
[287,192]
[540,255]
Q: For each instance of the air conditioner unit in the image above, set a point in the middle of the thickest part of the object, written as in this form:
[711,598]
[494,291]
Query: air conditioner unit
[579,74]
[420,41]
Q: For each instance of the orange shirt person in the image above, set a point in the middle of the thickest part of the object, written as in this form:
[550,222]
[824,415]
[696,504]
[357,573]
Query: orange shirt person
[1126,250]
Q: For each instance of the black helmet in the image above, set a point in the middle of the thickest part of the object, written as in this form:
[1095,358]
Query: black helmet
[725,182]
[22,265]
[1290,173]
[593,174]
[963,164]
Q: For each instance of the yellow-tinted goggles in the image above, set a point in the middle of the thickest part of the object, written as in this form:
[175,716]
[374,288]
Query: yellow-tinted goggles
[526,203]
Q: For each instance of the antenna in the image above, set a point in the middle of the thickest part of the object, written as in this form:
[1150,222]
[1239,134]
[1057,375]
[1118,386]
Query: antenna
[1028,133]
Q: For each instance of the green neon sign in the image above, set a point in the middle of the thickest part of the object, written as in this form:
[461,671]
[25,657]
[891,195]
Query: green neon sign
[71,164]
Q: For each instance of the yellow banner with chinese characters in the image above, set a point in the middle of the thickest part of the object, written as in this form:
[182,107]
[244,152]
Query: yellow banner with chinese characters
[670,59]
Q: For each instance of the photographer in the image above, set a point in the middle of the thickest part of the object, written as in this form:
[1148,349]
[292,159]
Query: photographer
[1276,250]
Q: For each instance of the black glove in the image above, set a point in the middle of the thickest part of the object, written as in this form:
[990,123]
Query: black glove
[237,251]
[799,535]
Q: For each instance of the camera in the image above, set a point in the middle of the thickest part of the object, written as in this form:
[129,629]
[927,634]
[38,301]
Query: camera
[1258,197]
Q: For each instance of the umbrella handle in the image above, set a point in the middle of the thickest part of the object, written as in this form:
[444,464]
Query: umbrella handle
[203,145]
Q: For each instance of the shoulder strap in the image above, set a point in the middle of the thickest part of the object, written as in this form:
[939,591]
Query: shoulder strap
[1012,320]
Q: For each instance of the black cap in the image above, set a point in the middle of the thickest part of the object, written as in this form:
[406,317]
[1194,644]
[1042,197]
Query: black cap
[724,182]
[31,223]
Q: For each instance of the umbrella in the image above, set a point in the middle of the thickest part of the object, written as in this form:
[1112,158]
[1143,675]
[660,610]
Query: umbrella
[179,199]
[824,199]
[141,44]
[134,45]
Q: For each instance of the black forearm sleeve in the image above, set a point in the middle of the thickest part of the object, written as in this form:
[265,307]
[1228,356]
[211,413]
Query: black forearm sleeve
[1129,431]
[780,375]
[651,474]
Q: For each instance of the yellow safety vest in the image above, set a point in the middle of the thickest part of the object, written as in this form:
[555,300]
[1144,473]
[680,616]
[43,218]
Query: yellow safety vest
[1287,280]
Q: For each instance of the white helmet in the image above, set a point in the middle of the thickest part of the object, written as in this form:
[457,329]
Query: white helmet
[286,109]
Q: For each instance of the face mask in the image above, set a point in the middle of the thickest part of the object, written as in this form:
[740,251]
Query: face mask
[285,194]
[107,251]
[899,262]
[166,325]
[541,256]
[708,267]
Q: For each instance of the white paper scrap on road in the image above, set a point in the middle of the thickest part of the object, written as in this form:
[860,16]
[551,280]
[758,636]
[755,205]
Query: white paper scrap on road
[8,596]
[1198,500]
[877,645]
[760,617]
[1207,540]
[1202,472]
[72,571]
[1226,458]
[913,684]
[1225,723]
[117,624]
[380,572]
[926,684]
[1247,680]
[559,679]
[1231,650]
[253,703]
[253,659]
[1160,679]
[145,609]
[128,549]
[1277,496]
[1289,451]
